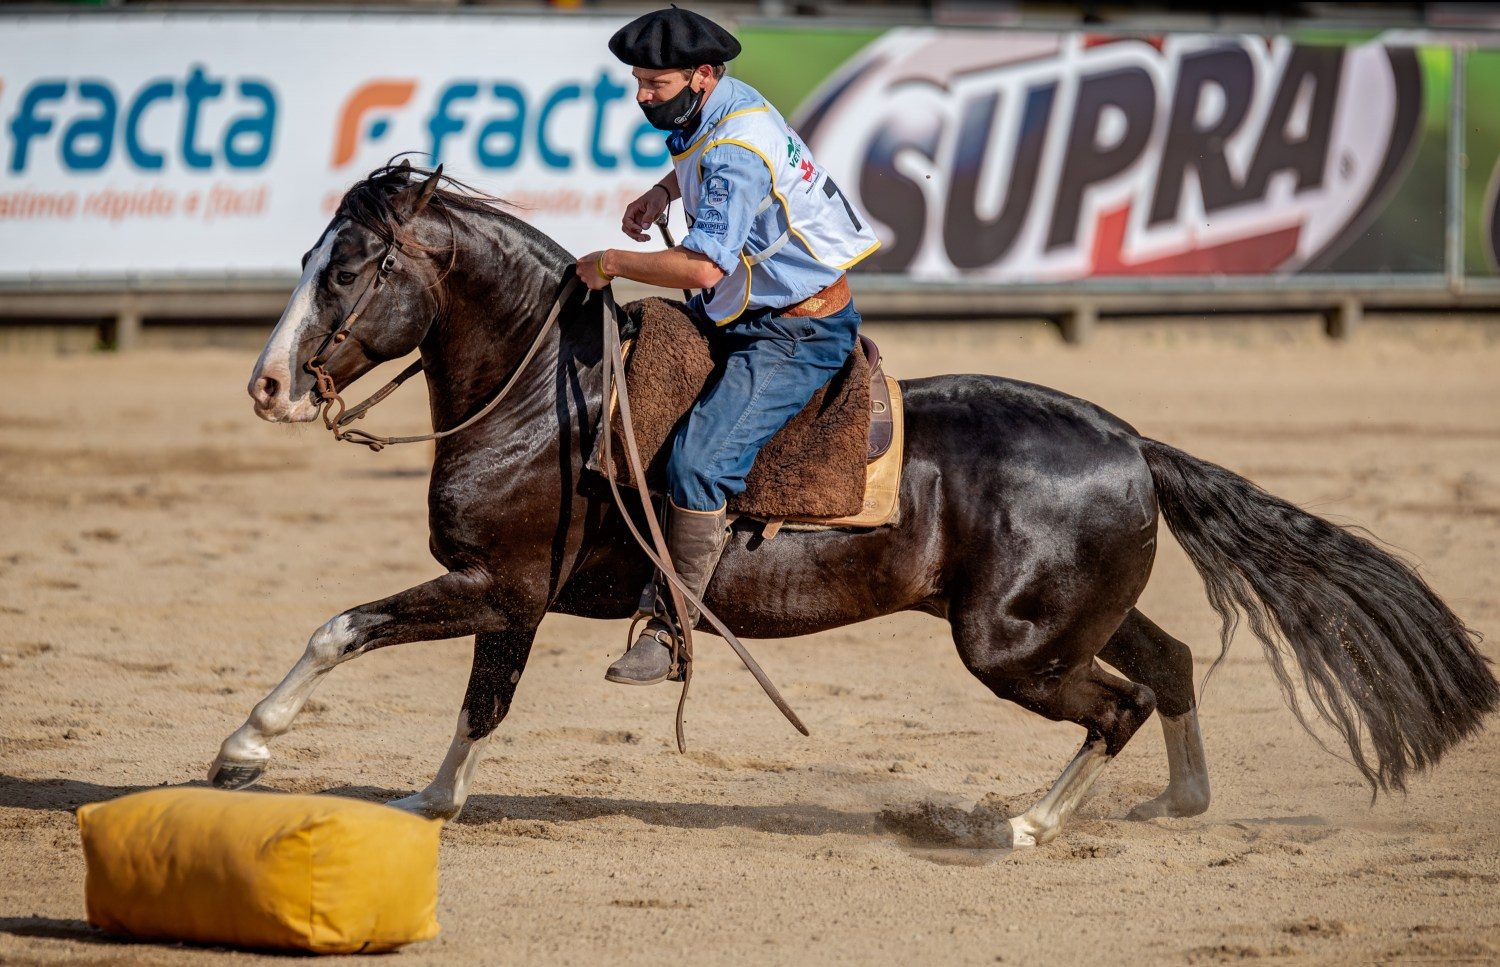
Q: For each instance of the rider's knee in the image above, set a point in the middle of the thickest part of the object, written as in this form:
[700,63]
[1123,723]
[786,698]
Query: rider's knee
[689,486]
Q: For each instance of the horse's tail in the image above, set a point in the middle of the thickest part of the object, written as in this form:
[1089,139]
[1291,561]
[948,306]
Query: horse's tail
[1382,657]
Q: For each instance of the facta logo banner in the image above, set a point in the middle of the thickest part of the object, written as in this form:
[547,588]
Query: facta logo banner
[1039,158]
[162,144]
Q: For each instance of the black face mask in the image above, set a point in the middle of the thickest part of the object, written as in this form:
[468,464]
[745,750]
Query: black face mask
[680,113]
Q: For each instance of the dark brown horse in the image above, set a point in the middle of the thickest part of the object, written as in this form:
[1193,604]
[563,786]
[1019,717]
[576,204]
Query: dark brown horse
[1028,521]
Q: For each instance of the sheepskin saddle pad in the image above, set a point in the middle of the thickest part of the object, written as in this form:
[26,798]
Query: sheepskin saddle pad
[814,469]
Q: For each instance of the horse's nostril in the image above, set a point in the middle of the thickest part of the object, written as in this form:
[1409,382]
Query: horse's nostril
[265,390]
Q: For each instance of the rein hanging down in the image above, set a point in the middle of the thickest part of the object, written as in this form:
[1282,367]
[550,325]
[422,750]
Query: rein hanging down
[336,418]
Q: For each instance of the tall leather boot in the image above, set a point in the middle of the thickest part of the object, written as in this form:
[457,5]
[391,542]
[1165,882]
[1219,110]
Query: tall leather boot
[695,539]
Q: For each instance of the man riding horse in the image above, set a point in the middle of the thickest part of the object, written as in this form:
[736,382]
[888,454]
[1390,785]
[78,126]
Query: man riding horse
[1035,549]
[770,238]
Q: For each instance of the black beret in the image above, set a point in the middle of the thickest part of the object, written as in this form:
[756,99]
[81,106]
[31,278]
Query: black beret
[669,38]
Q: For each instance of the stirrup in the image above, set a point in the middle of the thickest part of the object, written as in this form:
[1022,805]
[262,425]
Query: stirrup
[680,660]
[677,672]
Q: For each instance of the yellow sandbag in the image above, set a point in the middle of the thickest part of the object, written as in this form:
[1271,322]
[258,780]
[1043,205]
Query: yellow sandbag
[249,869]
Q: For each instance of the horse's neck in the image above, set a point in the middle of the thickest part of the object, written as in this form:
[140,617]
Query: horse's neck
[495,309]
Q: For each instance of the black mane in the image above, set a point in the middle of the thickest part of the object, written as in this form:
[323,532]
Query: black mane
[370,202]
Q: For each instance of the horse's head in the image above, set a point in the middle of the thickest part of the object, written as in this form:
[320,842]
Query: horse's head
[374,257]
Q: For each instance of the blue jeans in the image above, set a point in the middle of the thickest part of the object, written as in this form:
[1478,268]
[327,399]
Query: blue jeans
[774,365]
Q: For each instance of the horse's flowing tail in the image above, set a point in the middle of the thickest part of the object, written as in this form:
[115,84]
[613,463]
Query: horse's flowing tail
[1382,657]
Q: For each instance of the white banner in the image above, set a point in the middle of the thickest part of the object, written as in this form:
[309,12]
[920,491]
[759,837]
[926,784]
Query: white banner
[151,145]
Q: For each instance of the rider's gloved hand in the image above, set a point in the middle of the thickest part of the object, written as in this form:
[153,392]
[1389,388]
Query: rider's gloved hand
[642,213]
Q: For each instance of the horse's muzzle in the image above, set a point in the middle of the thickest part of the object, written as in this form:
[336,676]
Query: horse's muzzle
[270,392]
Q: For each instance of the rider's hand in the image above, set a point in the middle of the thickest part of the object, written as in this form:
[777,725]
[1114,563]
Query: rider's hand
[642,213]
[587,268]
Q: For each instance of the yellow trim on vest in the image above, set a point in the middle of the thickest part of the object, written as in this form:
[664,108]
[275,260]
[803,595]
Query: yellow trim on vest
[770,170]
[786,209]
[745,303]
[734,114]
[861,256]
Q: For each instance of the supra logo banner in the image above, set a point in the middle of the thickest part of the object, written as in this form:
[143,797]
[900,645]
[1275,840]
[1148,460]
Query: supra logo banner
[1042,158]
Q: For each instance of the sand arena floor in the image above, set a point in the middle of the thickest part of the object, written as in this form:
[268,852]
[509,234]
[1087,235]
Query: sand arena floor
[164,556]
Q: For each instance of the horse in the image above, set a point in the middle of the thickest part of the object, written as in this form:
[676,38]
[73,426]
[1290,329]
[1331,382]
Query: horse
[1028,521]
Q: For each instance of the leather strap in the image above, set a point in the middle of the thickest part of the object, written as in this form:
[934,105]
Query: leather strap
[882,420]
[614,383]
[382,393]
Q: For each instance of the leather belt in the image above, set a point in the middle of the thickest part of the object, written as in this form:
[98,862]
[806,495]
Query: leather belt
[820,304]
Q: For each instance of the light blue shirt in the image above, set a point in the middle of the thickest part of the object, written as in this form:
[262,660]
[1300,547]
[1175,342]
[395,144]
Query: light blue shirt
[731,213]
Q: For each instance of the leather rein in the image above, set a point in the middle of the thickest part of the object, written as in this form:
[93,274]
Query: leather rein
[336,418]
[331,405]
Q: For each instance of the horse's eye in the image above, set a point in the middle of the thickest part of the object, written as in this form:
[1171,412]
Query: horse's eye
[345,278]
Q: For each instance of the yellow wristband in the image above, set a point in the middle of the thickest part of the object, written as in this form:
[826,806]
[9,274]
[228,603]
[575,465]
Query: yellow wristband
[599,266]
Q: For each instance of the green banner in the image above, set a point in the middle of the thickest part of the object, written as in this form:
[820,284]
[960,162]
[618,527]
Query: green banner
[1480,164]
[1029,157]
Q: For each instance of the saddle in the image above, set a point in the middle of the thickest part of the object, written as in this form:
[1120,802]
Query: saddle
[835,464]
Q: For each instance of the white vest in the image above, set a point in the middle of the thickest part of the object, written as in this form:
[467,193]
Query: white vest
[813,213]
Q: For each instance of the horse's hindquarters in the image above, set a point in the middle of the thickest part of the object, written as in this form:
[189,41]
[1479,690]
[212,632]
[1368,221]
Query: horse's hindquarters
[1007,489]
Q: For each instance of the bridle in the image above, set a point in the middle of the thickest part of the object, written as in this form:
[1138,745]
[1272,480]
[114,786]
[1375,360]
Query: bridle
[328,393]
[336,418]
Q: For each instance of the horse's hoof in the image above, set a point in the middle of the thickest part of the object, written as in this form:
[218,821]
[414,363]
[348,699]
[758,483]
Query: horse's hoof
[1151,809]
[421,806]
[1021,834]
[235,775]
[1180,804]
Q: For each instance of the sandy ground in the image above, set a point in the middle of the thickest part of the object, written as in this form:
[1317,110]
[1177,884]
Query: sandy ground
[164,555]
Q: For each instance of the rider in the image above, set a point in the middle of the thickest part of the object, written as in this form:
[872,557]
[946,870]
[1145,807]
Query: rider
[769,239]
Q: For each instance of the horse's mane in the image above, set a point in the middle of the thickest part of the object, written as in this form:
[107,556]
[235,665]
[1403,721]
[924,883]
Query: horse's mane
[371,201]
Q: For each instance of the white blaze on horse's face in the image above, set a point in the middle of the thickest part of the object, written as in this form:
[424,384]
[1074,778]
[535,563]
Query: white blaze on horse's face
[271,380]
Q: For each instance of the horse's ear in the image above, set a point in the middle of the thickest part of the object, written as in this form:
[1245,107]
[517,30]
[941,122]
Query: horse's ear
[413,198]
[424,193]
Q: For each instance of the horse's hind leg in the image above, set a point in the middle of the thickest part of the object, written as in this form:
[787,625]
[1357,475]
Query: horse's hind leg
[1057,677]
[499,659]
[1111,709]
[1148,655]
[455,604]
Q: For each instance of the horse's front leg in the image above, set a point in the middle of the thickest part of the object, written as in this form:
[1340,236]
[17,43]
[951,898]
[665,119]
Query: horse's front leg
[458,603]
[499,659]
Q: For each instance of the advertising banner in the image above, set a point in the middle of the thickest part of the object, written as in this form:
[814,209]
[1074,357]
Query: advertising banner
[1032,157]
[1481,166]
[218,144]
[151,144]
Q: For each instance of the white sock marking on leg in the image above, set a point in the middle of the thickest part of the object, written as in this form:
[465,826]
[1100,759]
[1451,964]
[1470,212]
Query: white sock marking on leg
[449,789]
[1187,766]
[1043,821]
[274,714]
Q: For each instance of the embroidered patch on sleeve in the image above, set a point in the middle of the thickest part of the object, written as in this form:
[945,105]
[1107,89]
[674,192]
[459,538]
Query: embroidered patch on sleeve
[716,190]
[711,221]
